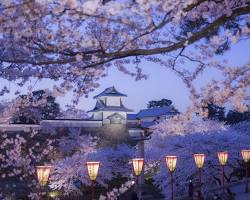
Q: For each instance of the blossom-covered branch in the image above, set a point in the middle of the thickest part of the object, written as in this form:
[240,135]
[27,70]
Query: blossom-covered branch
[37,38]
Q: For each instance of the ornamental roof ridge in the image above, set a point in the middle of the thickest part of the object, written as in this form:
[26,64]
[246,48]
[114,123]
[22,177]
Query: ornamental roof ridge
[110,91]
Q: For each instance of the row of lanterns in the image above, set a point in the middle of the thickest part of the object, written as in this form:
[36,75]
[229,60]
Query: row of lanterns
[199,159]
[43,172]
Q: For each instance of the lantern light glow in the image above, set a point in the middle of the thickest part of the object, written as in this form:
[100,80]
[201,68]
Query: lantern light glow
[199,160]
[245,155]
[171,162]
[138,165]
[43,173]
[93,168]
[223,156]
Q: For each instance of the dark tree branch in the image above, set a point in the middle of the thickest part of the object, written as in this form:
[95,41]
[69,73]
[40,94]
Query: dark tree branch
[69,56]
[194,38]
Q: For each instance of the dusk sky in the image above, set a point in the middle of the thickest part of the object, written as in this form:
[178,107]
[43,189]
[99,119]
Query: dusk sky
[162,83]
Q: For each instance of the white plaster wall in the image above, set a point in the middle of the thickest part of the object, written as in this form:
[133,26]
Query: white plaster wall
[70,123]
[97,115]
[19,127]
[106,121]
[113,101]
[124,115]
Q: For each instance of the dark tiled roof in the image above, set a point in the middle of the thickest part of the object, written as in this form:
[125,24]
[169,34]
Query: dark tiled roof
[155,112]
[148,124]
[100,106]
[132,116]
[112,108]
[111,91]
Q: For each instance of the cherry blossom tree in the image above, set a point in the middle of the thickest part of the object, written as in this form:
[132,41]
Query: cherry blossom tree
[19,154]
[70,172]
[5,111]
[183,139]
[30,108]
[34,107]
[75,41]
[73,113]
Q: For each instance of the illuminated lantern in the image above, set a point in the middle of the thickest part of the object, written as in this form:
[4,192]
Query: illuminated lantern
[199,160]
[171,162]
[43,173]
[223,156]
[138,165]
[93,168]
[245,155]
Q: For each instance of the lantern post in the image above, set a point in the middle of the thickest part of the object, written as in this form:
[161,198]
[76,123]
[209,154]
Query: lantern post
[139,135]
[43,172]
[171,164]
[138,164]
[93,168]
[223,157]
[199,161]
[246,157]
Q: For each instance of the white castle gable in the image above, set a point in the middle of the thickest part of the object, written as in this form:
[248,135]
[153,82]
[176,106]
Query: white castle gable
[109,103]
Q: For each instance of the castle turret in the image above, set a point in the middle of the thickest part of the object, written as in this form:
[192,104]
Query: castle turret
[109,107]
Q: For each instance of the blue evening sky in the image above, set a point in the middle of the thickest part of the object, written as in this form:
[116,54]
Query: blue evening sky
[162,83]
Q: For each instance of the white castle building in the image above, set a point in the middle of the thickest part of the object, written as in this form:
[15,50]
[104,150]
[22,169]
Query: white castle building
[109,112]
[109,107]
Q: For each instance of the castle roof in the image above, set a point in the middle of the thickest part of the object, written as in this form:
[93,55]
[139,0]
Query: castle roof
[100,106]
[154,112]
[111,91]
